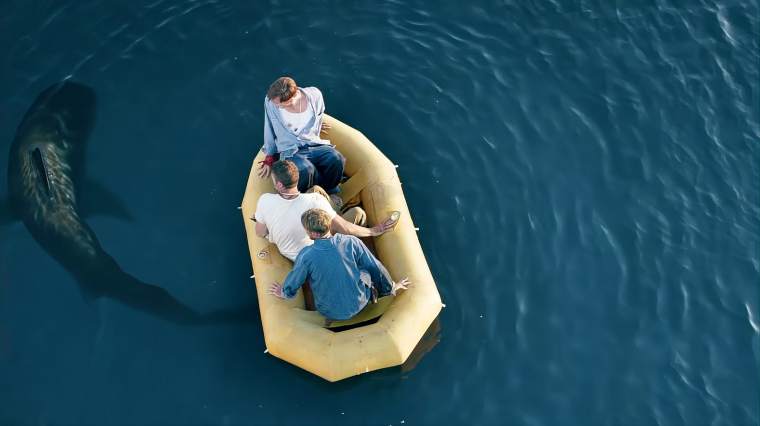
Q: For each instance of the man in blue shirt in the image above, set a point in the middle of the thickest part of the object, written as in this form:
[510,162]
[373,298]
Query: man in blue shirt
[344,274]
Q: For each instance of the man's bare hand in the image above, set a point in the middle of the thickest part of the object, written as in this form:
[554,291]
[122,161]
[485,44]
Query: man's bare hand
[385,225]
[401,285]
[325,128]
[276,290]
[263,171]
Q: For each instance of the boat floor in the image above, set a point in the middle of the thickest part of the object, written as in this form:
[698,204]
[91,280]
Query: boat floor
[372,311]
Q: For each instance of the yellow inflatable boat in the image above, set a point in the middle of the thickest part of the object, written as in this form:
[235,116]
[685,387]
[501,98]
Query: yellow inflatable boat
[305,338]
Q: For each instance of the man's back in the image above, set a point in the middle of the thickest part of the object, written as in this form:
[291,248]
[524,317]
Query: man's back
[282,218]
[333,266]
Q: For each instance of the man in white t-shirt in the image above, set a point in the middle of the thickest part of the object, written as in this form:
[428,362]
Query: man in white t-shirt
[278,216]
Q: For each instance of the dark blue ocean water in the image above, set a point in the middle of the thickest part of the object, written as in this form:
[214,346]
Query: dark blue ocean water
[585,176]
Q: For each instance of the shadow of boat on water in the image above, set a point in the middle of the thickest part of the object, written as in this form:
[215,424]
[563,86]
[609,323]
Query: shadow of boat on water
[429,340]
[49,193]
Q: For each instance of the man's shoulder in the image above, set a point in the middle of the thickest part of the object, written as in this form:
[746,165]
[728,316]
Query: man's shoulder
[267,198]
[312,91]
[346,239]
[312,198]
[304,254]
[268,201]
[309,195]
[319,201]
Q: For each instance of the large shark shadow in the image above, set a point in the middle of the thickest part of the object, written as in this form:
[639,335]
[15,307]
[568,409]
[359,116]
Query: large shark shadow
[45,184]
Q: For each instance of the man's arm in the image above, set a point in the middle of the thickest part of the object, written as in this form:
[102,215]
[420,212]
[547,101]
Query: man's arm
[261,230]
[380,277]
[367,261]
[270,149]
[269,146]
[259,216]
[342,226]
[293,281]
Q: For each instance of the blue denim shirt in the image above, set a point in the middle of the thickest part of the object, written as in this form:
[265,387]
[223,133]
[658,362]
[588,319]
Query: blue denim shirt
[278,138]
[332,266]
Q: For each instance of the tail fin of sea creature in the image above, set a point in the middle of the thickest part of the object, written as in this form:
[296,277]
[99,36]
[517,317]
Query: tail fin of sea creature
[153,300]
[107,279]
[104,278]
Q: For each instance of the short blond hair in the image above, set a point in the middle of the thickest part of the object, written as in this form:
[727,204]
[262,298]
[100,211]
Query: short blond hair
[316,220]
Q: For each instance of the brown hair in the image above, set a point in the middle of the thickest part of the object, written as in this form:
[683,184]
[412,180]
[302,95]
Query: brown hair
[316,220]
[283,88]
[285,172]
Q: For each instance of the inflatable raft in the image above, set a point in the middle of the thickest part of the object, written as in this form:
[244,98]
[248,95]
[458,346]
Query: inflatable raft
[305,338]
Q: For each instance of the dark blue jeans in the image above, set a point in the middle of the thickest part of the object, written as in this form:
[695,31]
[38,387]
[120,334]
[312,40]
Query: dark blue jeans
[319,165]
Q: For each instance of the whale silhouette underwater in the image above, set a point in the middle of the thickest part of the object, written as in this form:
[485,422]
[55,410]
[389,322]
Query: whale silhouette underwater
[45,176]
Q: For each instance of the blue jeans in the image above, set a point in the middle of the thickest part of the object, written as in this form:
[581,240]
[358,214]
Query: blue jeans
[319,165]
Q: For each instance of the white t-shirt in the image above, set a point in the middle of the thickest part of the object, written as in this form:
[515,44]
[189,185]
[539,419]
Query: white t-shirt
[296,121]
[283,220]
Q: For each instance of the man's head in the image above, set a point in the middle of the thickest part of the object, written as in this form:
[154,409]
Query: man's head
[284,175]
[316,222]
[282,89]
